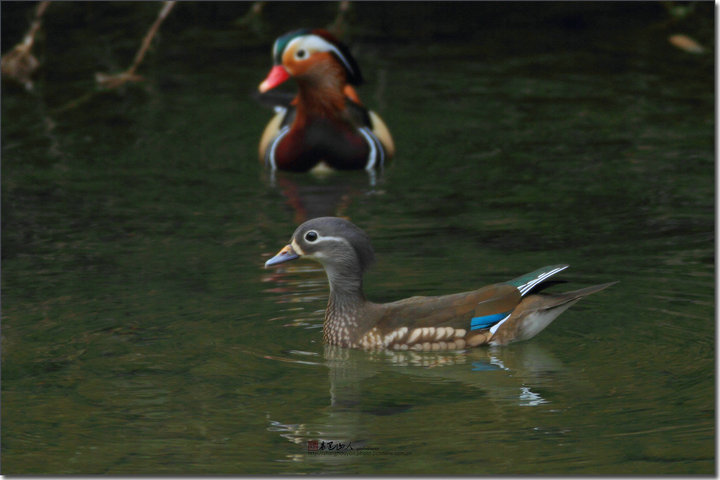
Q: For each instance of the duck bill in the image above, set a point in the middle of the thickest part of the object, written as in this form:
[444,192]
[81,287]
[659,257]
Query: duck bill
[277,75]
[284,255]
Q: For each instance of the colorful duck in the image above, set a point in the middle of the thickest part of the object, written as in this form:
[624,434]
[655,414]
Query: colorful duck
[325,124]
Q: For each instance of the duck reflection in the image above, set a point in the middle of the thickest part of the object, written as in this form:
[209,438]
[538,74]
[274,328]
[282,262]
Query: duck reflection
[502,376]
[322,194]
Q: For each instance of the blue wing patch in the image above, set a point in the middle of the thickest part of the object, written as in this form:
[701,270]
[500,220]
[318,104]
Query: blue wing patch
[487,321]
[483,366]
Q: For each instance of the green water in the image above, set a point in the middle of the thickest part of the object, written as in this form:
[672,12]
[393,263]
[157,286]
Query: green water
[141,334]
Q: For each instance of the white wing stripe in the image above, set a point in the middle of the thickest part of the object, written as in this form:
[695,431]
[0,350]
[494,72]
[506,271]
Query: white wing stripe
[494,328]
[271,152]
[372,156]
[525,288]
[529,286]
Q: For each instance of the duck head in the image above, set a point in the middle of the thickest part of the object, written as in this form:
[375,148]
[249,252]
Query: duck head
[309,55]
[343,249]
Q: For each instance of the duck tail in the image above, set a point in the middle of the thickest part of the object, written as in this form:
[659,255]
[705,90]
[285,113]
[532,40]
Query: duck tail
[536,312]
[565,297]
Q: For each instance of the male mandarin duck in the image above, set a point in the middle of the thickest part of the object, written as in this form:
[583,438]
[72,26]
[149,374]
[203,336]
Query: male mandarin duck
[325,123]
[493,315]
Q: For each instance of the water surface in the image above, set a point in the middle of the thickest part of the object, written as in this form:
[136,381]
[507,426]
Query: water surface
[142,335]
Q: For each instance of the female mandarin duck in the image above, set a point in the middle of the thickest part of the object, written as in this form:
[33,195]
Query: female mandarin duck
[326,123]
[496,315]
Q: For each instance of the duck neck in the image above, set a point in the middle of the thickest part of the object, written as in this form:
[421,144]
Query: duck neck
[321,94]
[345,288]
[342,316]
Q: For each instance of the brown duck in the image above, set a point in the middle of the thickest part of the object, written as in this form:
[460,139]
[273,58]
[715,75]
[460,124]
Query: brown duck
[493,315]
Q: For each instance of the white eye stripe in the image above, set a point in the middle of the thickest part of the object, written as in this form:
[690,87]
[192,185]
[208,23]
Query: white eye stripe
[329,238]
[321,239]
[314,43]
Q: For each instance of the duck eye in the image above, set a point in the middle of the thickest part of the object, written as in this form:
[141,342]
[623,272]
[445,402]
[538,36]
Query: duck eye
[311,236]
[301,53]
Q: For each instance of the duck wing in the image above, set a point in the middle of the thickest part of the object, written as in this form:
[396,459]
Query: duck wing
[441,319]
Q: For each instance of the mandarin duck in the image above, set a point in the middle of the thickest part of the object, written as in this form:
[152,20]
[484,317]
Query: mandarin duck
[493,315]
[325,124]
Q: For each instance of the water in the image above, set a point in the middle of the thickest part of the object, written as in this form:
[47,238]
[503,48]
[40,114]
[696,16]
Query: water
[142,335]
